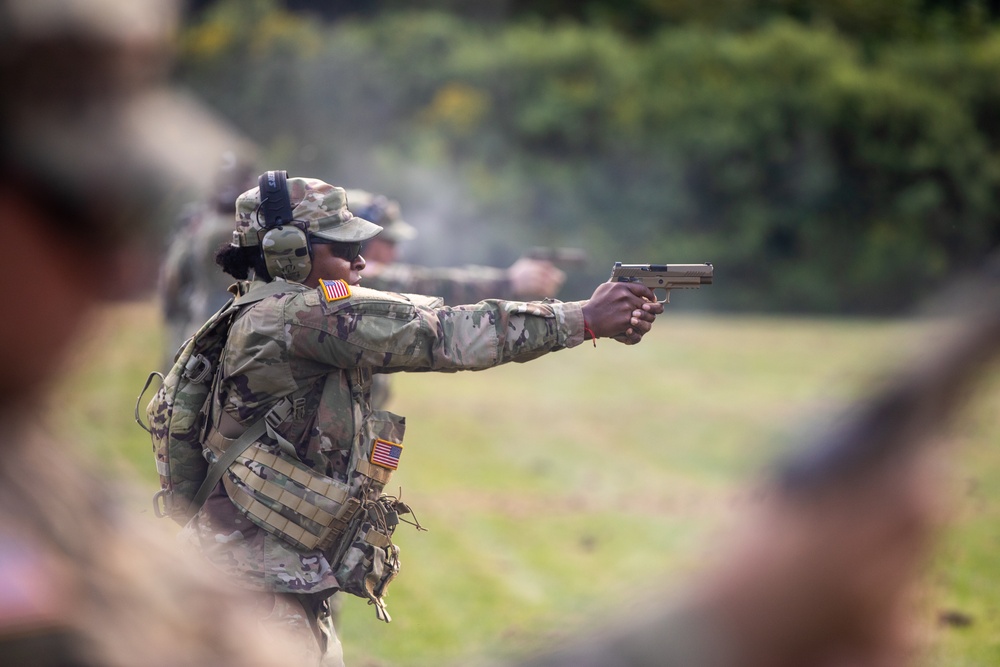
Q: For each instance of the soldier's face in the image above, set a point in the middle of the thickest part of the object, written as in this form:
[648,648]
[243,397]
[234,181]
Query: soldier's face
[328,265]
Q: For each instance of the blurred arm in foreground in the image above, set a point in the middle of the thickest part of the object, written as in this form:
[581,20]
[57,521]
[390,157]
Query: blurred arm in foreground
[92,143]
[820,573]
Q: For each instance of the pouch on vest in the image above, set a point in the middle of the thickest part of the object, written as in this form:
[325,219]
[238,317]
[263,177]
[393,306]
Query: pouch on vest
[351,524]
[367,561]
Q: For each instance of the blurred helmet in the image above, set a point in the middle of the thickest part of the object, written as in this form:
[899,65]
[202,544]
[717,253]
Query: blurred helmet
[382,211]
[237,172]
[86,116]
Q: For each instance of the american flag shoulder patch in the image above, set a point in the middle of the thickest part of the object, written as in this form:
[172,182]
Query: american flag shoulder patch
[334,290]
[386,454]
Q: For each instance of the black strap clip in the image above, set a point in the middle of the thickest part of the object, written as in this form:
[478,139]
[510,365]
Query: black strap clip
[198,368]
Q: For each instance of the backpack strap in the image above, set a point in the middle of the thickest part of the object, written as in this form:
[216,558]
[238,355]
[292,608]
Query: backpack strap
[274,417]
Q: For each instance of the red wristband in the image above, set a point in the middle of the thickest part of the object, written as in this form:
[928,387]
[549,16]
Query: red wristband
[590,331]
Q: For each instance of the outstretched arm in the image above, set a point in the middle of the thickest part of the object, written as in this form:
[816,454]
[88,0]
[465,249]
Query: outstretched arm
[390,333]
[526,279]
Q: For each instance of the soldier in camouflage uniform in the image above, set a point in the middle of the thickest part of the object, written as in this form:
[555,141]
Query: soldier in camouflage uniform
[312,338]
[91,141]
[191,287]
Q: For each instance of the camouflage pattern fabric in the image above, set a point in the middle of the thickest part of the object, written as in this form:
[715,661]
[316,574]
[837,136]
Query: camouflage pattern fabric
[456,286]
[191,287]
[175,416]
[318,208]
[286,253]
[298,341]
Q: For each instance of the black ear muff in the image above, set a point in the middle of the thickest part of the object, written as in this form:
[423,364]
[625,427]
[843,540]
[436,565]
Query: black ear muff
[285,246]
[274,201]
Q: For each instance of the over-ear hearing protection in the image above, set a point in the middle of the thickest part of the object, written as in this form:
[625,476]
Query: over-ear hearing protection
[285,246]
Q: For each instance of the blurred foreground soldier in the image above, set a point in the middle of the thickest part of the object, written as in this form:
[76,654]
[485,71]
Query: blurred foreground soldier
[90,142]
[821,573]
[292,507]
[526,279]
[191,286]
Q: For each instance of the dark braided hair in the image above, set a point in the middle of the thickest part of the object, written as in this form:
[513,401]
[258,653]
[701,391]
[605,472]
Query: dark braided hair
[240,262]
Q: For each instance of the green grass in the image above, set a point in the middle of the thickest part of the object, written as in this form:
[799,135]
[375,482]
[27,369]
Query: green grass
[555,491]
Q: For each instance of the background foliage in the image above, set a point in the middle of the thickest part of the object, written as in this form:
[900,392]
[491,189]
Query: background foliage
[836,157]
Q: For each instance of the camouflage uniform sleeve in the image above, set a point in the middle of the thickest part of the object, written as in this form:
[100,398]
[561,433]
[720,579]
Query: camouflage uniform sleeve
[389,332]
[456,286]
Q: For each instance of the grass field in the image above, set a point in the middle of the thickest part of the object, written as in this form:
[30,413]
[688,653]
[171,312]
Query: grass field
[556,491]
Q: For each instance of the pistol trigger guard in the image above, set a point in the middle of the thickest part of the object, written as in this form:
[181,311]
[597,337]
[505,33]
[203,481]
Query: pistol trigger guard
[666,297]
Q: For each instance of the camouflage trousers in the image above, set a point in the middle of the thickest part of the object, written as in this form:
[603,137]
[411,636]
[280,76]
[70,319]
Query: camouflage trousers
[306,620]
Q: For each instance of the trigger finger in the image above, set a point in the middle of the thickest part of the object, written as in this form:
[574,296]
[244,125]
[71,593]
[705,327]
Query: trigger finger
[642,293]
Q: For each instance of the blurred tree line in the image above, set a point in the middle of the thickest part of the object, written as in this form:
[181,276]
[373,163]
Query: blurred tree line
[828,157]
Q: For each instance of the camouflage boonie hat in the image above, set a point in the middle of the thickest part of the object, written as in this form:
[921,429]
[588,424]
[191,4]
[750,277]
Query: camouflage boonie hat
[382,211]
[318,209]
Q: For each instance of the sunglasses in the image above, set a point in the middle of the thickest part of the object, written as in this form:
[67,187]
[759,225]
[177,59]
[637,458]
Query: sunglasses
[345,251]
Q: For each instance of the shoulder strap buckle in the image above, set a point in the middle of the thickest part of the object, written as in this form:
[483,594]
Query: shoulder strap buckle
[277,415]
[198,368]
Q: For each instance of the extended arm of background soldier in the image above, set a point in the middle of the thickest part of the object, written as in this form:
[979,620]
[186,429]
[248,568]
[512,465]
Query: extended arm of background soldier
[526,279]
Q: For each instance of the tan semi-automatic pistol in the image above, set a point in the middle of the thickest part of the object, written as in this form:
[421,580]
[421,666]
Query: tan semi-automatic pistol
[664,276]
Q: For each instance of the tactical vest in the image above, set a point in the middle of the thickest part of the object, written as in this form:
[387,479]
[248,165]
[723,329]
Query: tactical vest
[351,522]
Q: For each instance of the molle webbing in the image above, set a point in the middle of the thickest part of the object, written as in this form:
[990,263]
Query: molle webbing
[299,505]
